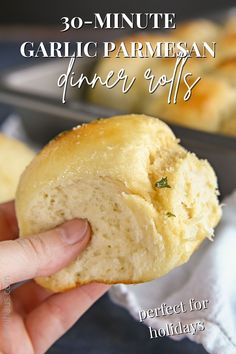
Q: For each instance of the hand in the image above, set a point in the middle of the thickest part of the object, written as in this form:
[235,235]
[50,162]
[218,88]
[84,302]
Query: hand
[32,318]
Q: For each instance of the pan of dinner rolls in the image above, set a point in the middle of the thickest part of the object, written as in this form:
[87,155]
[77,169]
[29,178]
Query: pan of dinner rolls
[212,101]
[212,106]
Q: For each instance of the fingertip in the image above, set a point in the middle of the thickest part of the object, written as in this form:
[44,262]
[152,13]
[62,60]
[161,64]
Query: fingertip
[97,287]
[75,231]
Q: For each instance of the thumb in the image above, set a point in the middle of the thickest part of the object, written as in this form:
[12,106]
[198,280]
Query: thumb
[42,254]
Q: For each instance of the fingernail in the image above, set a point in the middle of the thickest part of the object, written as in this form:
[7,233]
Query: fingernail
[74,231]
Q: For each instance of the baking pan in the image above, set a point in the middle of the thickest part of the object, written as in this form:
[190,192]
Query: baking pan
[34,93]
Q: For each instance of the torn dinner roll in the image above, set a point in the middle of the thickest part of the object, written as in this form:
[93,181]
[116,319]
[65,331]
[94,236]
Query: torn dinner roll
[150,203]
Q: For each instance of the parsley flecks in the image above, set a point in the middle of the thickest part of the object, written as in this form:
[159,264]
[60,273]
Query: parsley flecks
[169,214]
[162,183]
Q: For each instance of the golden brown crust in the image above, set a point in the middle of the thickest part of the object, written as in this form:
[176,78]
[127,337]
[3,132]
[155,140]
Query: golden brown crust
[60,288]
[197,31]
[226,70]
[226,46]
[230,25]
[211,102]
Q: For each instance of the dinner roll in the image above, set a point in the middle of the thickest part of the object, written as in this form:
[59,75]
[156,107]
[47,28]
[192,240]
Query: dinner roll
[226,46]
[134,68]
[200,30]
[14,157]
[150,202]
[230,24]
[212,101]
[229,126]
[226,70]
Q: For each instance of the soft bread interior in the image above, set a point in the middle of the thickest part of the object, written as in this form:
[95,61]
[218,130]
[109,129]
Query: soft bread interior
[132,235]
